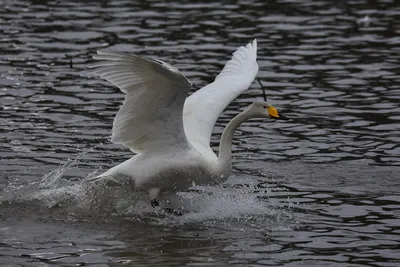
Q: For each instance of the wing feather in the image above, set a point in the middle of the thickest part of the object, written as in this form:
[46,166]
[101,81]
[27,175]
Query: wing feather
[202,108]
[151,115]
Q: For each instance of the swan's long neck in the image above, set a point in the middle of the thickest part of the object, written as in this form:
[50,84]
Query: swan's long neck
[225,145]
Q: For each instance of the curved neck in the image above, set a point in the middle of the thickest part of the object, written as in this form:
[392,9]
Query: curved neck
[225,145]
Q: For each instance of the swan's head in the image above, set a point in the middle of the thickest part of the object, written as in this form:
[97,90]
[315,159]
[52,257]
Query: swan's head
[265,110]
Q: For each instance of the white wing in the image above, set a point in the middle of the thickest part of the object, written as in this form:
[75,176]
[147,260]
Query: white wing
[151,116]
[203,108]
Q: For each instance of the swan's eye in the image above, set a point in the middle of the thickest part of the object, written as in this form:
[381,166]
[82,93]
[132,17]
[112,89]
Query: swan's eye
[264,106]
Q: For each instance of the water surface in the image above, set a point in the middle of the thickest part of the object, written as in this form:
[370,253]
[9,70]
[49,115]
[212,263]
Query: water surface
[321,189]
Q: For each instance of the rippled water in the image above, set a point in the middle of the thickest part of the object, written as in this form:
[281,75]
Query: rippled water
[319,190]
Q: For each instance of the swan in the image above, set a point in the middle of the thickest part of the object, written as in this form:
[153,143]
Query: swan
[170,132]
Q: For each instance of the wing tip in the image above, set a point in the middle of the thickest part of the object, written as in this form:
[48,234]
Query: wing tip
[254,44]
[115,56]
[243,56]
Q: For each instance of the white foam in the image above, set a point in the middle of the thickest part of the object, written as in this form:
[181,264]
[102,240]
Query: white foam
[205,205]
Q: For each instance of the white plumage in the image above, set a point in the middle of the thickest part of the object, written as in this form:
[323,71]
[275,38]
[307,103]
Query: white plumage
[151,116]
[171,133]
[203,108]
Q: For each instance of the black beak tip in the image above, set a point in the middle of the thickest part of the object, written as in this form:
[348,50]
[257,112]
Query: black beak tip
[281,117]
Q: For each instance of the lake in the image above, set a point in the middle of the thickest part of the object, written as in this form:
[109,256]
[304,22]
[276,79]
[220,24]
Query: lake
[319,190]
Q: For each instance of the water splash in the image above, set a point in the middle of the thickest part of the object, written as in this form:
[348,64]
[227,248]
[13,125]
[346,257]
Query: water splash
[54,179]
[101,199]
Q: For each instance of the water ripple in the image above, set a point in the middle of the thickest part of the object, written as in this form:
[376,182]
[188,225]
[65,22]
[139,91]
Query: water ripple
[332,67]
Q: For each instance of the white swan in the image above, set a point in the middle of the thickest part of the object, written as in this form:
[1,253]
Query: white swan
[169,132]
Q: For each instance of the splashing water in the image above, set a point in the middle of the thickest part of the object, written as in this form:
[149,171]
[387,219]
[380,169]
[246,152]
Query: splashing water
[102,199]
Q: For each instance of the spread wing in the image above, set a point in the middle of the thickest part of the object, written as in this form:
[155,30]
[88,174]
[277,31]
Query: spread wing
[151,116]
[203,108]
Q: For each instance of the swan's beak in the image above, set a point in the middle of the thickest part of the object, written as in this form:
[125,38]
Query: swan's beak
[273,113]
[281,117]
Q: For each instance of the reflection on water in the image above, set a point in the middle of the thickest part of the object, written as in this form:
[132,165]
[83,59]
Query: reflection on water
[321,189]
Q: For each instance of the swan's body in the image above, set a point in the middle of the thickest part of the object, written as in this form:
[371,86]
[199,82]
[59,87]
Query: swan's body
[171,133]
[171,170]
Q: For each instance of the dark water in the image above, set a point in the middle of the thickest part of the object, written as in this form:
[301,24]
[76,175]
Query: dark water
[320,190]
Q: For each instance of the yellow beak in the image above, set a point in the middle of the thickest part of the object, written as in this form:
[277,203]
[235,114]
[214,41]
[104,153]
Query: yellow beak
[273,113]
